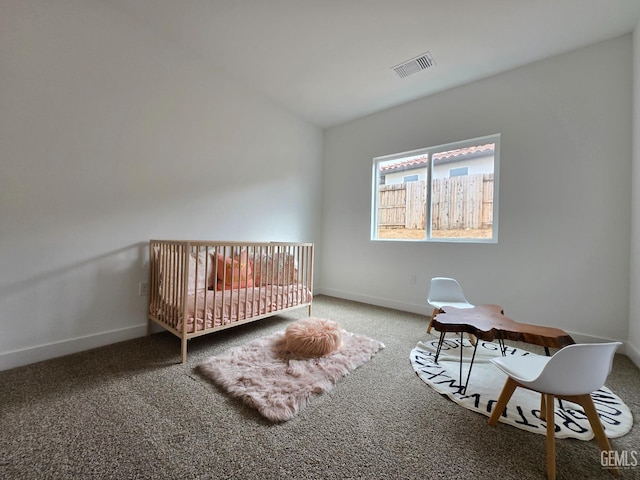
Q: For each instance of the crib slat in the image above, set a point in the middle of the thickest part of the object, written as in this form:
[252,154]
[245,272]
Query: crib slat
[274,277]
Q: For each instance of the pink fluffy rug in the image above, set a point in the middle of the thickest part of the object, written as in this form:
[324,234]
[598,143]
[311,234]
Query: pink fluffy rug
[276,382]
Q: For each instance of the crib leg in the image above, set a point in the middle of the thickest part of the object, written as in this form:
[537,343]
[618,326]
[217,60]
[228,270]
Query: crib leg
[309,309]
[184,349]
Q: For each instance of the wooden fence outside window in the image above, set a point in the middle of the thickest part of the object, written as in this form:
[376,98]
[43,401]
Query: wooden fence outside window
[458,203]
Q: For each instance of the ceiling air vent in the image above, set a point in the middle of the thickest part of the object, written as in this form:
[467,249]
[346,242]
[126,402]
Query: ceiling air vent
[421,62]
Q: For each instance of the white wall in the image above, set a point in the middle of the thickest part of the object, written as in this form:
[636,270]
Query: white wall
[633,346]
[111,136]
[565,195]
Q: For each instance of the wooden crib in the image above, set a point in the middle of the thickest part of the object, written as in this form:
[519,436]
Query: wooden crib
[200,287]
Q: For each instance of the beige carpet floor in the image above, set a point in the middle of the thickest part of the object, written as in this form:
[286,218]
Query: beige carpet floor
[131,411]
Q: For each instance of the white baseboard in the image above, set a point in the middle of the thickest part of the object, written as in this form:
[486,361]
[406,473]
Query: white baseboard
[26,356]
[378,301]
[633,353]
[626,349]
[582,338]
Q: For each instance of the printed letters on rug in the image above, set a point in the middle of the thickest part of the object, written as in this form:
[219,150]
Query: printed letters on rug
[276,382]
[523,410]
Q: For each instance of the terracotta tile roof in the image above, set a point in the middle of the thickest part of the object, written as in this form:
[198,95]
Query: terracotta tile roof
[461,152]
[414,162]
[440,156]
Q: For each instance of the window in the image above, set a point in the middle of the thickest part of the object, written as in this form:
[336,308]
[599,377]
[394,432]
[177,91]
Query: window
[458,172]
[443,193]
[410,178]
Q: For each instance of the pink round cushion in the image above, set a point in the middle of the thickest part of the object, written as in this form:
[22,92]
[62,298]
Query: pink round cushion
[313,337]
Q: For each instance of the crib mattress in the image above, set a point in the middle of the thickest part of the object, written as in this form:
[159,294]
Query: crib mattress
[208,309]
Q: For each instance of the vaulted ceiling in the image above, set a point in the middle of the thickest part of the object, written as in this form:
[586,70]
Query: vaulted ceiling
[330,61]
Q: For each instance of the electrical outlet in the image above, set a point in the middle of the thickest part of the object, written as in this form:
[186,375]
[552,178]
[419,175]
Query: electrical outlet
[143,289]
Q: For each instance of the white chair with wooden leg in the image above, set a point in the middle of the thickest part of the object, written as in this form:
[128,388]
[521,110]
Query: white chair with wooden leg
[573,373]
[445,291]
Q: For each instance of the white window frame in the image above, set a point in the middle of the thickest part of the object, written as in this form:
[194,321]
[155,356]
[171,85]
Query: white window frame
[429,151]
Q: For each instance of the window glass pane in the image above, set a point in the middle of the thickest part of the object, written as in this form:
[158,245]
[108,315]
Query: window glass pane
[461,205]
[445,193]
[401,202]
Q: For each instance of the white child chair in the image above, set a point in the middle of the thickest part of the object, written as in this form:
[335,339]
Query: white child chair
[445,291]
[572,374]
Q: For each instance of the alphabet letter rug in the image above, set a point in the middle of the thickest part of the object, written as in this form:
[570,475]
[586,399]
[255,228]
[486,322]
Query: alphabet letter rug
[523,410]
